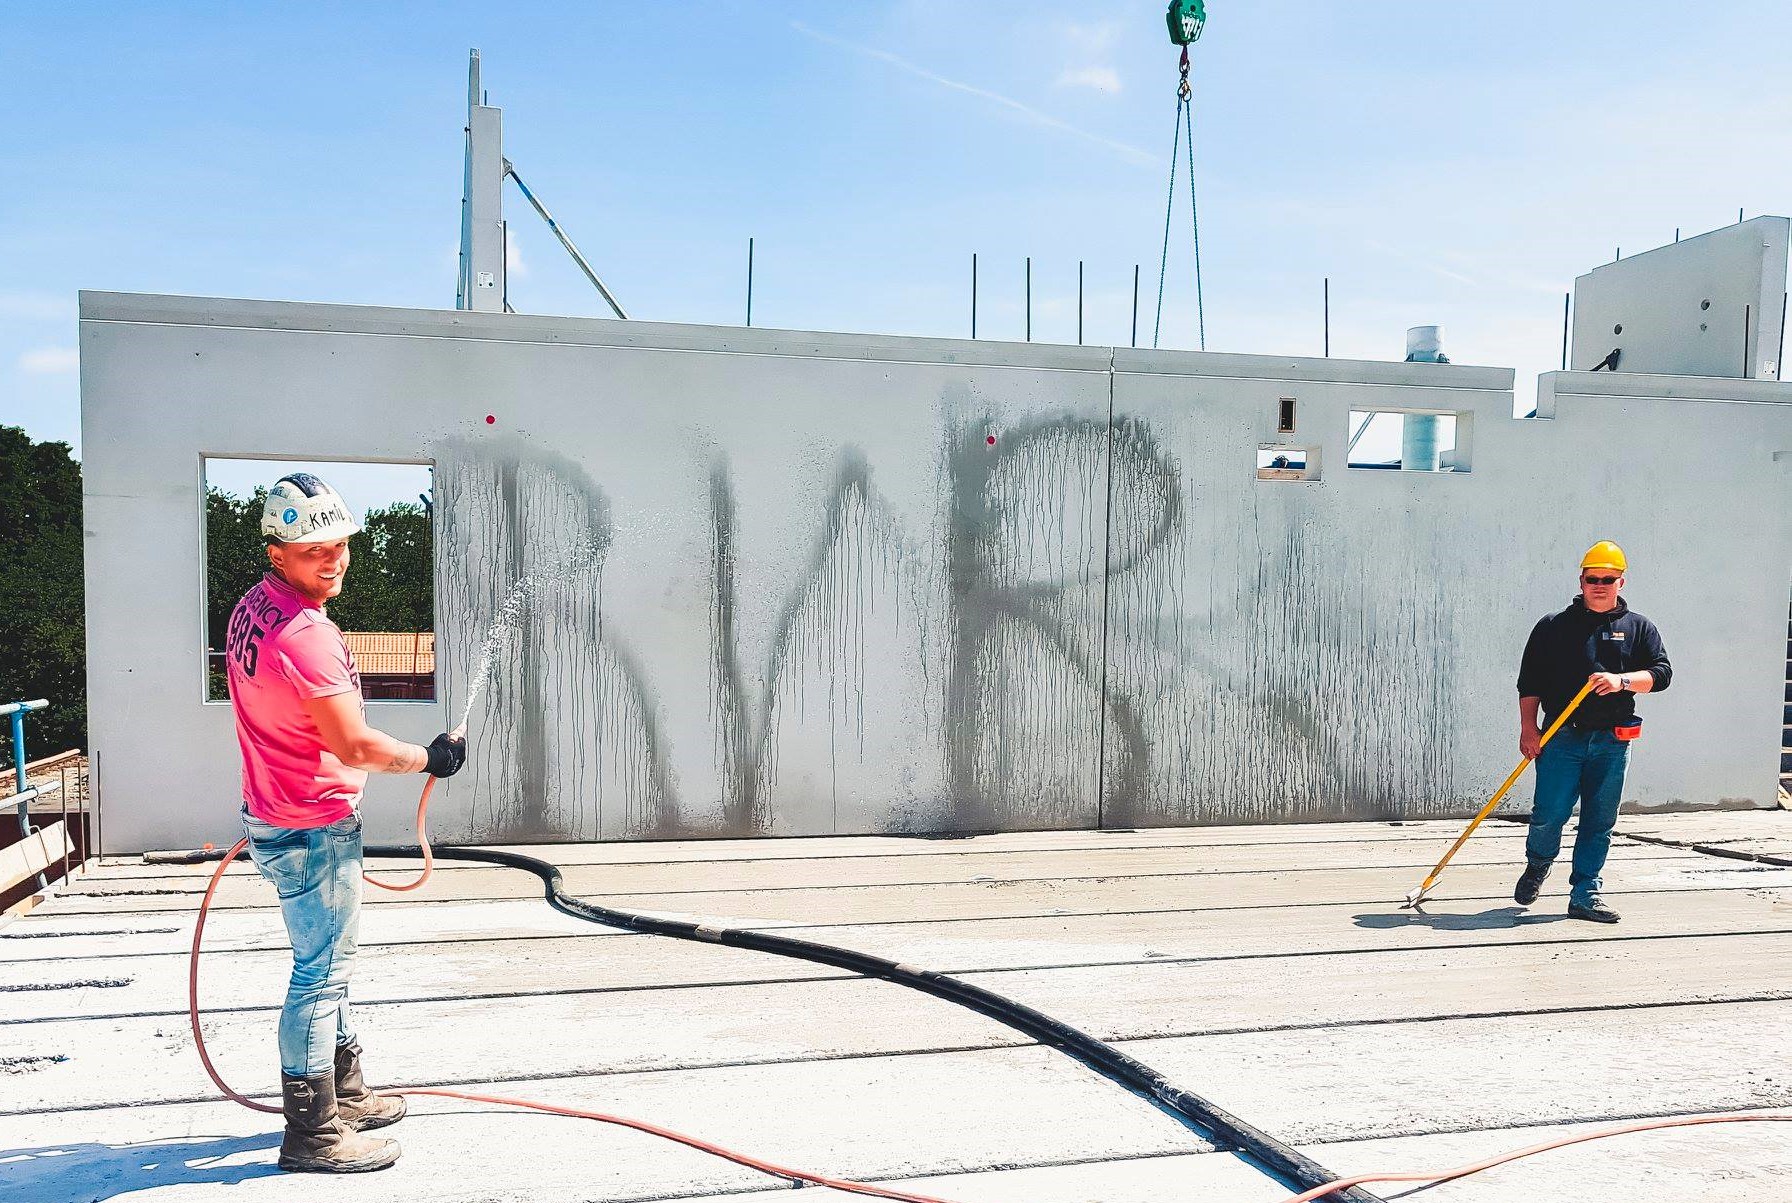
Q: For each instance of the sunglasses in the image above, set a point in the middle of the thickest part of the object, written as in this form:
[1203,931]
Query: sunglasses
[1599,580]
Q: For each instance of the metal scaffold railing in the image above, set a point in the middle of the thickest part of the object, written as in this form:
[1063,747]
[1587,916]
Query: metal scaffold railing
[36,850]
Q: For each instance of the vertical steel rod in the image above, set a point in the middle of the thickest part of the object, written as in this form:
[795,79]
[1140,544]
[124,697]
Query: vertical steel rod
[1747,317]
[1567,297]
[1328,317]
[1079,302]
[1779,364]
[749,281]
[973,294]
[1029,298]
[1135,304]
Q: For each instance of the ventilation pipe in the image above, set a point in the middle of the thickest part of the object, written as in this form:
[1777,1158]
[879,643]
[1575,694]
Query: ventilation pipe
[1419,432]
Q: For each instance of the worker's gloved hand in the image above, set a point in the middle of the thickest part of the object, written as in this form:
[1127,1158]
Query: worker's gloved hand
[446,754]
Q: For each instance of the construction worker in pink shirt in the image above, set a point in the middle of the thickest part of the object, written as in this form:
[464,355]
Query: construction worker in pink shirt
[307,750]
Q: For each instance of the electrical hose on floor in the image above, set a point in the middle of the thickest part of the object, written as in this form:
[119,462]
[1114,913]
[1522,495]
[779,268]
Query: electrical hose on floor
[1257,1146]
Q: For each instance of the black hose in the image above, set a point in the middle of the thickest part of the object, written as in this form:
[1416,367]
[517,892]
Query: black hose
[1281,1161]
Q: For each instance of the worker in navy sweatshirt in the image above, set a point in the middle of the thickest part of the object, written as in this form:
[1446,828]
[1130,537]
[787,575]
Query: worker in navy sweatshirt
[1598,640]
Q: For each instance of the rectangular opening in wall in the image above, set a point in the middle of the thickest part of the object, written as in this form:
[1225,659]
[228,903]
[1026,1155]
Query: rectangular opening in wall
[1277,461]
[1285,415]
[1402,440]
[386,606]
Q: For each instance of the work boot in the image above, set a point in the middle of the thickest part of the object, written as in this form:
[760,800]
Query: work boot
[1593,910]
[359,1108]
[1530,882]
[316,1141]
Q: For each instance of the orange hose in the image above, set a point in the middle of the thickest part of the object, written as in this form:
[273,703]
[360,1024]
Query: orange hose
[429,859]
[744,1159]
[796,1175]
[1435,1177]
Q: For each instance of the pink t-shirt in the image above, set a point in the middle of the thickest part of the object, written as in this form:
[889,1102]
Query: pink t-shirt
[282,649]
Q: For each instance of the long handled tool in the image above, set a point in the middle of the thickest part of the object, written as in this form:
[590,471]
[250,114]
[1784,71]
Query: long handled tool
[1415,897]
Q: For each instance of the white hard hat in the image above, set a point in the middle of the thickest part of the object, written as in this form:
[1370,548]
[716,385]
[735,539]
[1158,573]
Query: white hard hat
[303,509]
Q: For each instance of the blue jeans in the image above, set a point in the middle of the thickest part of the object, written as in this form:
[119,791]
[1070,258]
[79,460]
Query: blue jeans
[317,873]
[1583,765]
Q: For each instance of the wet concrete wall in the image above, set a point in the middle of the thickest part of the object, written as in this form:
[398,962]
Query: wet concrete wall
[783,583]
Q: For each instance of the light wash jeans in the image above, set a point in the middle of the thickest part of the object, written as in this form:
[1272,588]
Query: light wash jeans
[1588,766]
[317,873]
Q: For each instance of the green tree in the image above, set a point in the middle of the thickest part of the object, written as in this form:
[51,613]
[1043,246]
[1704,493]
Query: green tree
[235,556]
[43,642]
[390,586]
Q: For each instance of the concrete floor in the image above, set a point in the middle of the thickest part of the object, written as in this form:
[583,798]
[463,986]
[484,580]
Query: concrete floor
[1266,968]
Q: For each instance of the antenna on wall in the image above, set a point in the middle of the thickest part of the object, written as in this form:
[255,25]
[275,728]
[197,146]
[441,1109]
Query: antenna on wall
[481,286]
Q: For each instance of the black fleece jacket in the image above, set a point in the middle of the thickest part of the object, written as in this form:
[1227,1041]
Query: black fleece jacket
[1568,647]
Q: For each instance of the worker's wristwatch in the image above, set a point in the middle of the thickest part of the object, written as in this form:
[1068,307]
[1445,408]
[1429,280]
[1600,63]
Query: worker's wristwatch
[1624,682]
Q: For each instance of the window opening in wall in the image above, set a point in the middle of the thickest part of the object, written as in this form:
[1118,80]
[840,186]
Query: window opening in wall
[1280,462]
[1396,440]
[1285,419]
[387,606]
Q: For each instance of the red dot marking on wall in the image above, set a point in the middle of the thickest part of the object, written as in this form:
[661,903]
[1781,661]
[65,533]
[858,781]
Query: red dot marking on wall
[490,418]
[991,440]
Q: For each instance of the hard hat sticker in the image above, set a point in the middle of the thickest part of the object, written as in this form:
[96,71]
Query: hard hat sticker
[289,515]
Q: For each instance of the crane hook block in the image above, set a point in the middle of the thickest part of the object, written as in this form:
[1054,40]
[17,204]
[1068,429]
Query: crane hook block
[1186,17]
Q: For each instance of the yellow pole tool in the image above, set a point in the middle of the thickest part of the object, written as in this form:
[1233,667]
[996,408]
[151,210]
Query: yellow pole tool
[1415,897]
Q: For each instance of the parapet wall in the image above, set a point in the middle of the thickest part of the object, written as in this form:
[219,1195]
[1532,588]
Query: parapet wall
[792,583]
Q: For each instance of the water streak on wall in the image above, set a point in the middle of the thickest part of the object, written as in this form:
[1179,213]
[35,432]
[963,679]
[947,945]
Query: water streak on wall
[565,742]
[819,631]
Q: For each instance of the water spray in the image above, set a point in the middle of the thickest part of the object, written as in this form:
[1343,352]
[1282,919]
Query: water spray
[513,611]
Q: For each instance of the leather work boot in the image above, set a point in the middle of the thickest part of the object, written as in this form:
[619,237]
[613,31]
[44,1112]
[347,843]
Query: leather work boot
[359,1108]
[316,1140]
[1595,911]
[1530,882]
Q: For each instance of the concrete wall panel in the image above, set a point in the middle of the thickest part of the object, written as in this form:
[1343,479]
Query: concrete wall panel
[766,582]
[1712,305]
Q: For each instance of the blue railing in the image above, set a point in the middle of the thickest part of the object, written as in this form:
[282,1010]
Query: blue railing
[17,711]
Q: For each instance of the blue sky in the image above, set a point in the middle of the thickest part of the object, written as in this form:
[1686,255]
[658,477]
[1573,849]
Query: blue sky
[1442,163]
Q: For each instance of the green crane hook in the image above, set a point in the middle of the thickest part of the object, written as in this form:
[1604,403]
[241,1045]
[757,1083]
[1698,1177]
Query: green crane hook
[1185,18]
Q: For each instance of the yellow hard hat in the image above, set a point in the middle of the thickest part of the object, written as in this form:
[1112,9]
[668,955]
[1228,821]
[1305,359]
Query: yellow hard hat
[1605,554]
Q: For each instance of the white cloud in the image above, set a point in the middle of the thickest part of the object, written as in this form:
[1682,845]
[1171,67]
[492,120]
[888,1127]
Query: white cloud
[1102,79]
[1125,150]
[33,306]
[513,258]
[48,361]
[1091,39]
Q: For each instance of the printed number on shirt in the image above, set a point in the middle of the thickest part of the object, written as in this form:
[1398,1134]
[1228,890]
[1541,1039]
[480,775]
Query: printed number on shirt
[243,644]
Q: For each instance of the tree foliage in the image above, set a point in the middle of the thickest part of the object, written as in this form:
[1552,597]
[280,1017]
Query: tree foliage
[43,639]
[43,643]
[390,584]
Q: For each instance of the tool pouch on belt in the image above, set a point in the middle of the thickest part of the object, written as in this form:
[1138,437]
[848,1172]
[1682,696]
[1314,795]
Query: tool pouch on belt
[1628,730]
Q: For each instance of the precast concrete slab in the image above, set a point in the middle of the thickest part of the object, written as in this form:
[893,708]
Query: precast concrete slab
[1268,969]
[969,893]
[771,873]
[496,968]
